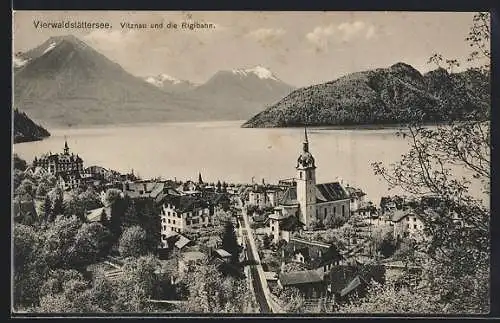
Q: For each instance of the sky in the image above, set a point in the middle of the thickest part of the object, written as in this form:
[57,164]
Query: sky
[300,48]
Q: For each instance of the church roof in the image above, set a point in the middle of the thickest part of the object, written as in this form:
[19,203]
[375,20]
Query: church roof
[329,192]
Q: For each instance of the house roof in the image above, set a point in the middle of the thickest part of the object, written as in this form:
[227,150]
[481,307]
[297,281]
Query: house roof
[95,214]
[398,215]
[66,176]
[289,197]
[182,242]
[223,253]
[300,277]
[354,192]
[315,253]
[353,285]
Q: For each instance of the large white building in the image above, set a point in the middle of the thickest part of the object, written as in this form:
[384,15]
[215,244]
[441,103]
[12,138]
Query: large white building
[306,200]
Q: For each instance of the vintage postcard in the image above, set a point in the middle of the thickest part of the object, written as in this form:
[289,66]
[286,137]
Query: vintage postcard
[175,162]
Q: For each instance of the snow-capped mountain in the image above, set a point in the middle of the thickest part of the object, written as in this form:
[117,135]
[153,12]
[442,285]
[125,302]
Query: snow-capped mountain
[256,84]
[169,83]
[259,71]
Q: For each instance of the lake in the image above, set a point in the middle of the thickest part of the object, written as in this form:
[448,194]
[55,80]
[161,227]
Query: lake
[223,150]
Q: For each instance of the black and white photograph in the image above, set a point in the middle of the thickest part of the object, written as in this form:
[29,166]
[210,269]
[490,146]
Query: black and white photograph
[250,162]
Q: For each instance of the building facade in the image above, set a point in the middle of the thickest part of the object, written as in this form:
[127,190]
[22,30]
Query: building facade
[60,163]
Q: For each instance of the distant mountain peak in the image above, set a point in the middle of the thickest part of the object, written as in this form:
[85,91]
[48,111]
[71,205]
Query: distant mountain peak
[169,83]
[258,70]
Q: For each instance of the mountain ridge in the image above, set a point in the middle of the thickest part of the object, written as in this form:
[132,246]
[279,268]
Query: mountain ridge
[66,82]
[392,95]
[26,130]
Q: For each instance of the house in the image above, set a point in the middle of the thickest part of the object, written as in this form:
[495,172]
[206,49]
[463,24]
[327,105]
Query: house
[313,254]
[344,281]
[69,180]
[309,282]
[180,213]
[98,172]
[367,211]
[174,240]
[281,227]
[223,255]
[357,198]
[263,195]
[407,223]
[143,189]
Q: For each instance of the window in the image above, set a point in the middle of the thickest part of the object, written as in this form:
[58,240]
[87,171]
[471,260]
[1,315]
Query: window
[334,210]
[408,226]
[325,212]
[343,210]
[164,227]
[163,220]
[173,221]
[168,220]
[300,174]
[414,226]
[272,228]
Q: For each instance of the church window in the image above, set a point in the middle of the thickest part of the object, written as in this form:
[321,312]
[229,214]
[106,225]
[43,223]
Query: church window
[300,174]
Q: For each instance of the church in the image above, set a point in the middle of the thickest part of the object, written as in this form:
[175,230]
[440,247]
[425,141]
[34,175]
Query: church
[305,202]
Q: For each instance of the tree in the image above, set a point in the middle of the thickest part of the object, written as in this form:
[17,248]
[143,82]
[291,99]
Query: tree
[458,228]
[133,242]
[19,163]
[29,267]
[47,209]
[266,241]
[210,292]
[151,223]
[389,299]
[94,241]
[292,300]
[229,241]
[137,284]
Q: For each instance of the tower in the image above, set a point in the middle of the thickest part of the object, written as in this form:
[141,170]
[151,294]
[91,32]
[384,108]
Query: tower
[66,148]
[306,183]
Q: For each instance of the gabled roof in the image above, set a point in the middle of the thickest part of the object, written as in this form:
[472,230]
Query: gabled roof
[353,285]
[289,197]
[329,192]
[185,203]
[315,253]
[354,192]
[95,214]
[223,253]
[300,277]
[66,176]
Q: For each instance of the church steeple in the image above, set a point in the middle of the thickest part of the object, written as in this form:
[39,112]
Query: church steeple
[305,144]
[66,148]
[200,179]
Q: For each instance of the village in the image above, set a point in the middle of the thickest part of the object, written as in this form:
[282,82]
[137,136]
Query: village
[325,240]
